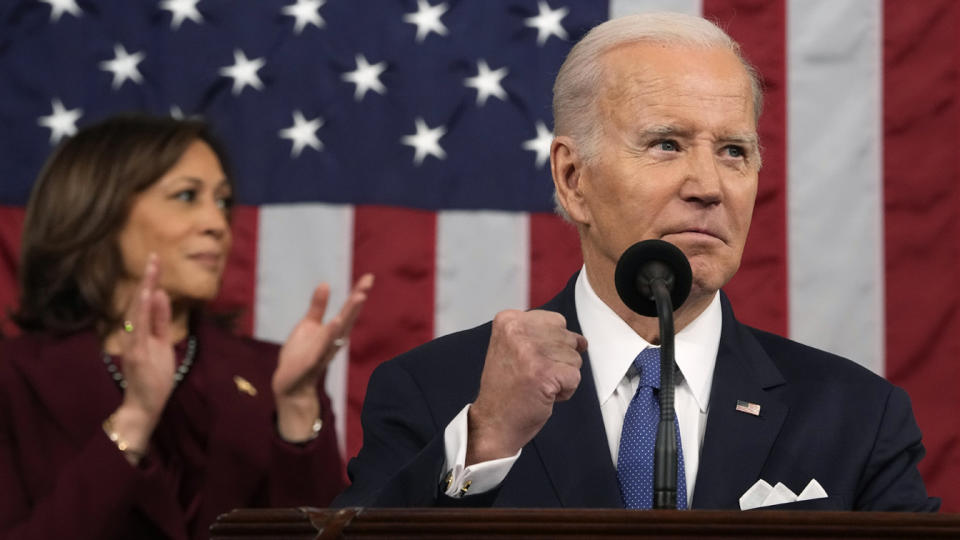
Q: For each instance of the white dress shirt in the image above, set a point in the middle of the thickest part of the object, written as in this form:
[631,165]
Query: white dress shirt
[612,347]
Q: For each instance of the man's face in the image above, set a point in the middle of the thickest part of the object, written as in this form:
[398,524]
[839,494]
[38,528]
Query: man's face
[677,159]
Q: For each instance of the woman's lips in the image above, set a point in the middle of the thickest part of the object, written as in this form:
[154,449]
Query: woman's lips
[209,260]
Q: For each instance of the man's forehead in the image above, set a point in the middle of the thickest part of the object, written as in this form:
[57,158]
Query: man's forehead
[643,75]
[650,62]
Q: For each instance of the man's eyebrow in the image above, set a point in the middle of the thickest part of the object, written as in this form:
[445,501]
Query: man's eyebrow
[666,130]
[748,139]
[669,130]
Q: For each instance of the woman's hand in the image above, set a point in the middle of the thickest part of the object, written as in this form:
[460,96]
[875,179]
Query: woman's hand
[148,364]
[305,355]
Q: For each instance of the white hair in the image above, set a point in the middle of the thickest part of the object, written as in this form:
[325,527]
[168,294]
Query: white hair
[578,83]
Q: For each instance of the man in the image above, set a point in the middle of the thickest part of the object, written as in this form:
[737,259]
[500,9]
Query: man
[656,120]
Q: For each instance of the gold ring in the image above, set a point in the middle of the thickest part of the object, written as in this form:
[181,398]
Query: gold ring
[127,326]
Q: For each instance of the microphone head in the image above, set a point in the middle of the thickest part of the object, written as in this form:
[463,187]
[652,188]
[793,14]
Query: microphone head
[645,261]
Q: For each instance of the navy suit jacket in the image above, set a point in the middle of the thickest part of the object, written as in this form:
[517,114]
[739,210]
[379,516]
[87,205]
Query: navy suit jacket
[821,417]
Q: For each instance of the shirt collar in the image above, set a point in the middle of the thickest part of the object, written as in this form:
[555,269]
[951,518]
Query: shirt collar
[613,345]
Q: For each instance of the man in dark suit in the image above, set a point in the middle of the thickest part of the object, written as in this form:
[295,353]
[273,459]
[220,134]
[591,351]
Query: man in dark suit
[655,119]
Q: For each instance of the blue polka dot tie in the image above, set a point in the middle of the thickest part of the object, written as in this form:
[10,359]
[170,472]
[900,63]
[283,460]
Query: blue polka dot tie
[639,436]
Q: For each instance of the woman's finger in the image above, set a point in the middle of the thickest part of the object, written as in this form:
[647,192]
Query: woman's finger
[151,274]
[318,303]
[137,304]
[159,306]
[141,316]
[160,313]
[139,320]
[351,308]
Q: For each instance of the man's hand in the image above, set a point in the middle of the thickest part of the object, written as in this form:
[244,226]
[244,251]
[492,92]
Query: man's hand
[532,362]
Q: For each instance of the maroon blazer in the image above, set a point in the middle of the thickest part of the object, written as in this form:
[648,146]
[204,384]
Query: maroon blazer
[214,449]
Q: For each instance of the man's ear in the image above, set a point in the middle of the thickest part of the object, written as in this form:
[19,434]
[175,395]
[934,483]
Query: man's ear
[569,177]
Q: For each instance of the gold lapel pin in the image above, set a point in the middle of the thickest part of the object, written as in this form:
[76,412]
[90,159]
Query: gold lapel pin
[244,386]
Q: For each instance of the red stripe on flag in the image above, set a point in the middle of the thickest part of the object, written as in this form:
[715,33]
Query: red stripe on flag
[554,256]
[921,115]
[398,246]
[11,227]
[238,290]
[759,290]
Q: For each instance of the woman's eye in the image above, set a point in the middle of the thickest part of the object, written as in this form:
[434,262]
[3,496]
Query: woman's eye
[187,195]
[225,203]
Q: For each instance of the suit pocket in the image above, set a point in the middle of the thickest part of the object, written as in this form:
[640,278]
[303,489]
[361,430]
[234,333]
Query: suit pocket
[834,502]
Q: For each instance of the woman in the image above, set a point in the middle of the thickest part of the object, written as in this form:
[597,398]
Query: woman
[124,413]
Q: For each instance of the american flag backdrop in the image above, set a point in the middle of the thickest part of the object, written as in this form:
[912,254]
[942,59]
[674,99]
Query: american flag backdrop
[408,138]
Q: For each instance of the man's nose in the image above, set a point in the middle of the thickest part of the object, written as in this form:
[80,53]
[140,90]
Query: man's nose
[703,181]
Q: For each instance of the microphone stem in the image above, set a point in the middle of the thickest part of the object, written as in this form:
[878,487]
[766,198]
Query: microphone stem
[665,450]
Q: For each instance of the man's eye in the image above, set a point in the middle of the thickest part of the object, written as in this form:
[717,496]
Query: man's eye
[736,151]
[187,195]
[668,146]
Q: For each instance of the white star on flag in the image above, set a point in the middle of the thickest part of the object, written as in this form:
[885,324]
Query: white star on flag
[487,82]
[243,72]
[305,12]
[425,141]
[427,19]
[124,66]
[540,144]
[181,10]
[62,123]
[547,22]
[59,7]
[303,133]
[366,77]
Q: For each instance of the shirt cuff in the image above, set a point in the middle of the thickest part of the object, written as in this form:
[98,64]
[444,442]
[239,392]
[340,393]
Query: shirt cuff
[459,481]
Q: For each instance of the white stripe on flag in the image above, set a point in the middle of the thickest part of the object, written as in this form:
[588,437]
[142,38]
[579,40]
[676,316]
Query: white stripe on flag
[300,246]
[619,8]
[482,267]
[835,192]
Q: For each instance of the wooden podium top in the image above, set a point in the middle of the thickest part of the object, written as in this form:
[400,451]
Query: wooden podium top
[350,523]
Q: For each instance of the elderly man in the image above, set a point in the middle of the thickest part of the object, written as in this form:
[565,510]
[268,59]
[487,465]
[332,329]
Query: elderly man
[656,138]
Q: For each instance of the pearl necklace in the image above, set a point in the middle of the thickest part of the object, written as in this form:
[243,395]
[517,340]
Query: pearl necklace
[178,375]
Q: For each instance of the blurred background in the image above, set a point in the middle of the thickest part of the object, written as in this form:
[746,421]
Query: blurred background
[409,138]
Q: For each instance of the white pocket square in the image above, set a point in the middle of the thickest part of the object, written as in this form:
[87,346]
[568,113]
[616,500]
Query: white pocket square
[763,494]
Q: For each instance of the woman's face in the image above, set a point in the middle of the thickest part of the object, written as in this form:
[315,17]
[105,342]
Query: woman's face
[183,218]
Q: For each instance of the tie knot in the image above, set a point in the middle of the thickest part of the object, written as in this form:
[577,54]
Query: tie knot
[647,365]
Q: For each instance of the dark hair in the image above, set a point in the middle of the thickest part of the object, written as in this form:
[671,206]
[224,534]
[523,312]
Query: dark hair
[70,260]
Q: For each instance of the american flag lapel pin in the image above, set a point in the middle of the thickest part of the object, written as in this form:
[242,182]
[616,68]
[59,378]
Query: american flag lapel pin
[749,408]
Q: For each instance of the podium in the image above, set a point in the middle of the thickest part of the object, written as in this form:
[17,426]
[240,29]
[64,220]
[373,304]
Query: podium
[355,523]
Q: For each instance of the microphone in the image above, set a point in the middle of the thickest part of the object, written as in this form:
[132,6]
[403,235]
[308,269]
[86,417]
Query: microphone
[653,278]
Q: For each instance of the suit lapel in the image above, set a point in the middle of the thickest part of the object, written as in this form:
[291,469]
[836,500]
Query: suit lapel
[573,443]
[73,383]
[736,444]
[240,403]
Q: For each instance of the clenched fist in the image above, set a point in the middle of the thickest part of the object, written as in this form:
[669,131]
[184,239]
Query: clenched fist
[532,362]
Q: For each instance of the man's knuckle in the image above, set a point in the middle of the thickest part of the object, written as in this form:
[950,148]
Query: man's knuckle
[557,319]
